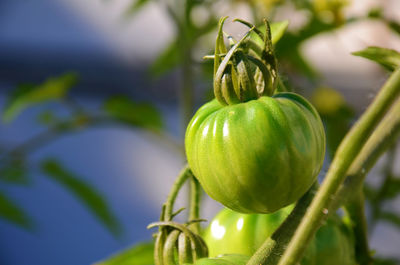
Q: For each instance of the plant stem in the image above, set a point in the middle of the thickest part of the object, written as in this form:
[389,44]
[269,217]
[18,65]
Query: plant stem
[385,135]
[347,151]
[356,212]
[180,180]
[379,198]
[195,196]
[272,248]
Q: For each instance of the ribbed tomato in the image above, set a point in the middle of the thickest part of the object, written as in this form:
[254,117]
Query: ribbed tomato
[256,156]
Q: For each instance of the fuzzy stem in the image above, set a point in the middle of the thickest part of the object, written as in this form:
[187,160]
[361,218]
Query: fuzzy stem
[385,135]
[346,153]
[195,197]
[278,241]
[180,180]
[356,212]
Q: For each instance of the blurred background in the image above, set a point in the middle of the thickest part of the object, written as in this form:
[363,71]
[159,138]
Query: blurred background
[95,96]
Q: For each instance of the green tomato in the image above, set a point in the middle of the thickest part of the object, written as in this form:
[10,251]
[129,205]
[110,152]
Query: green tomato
[229,259]
[334,243]
[257,156]
[233,232]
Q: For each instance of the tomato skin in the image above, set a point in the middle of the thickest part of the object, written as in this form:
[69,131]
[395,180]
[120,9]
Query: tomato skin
[257,156]
[245,233]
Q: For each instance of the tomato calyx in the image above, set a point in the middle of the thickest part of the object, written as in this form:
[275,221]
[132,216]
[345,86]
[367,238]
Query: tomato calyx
[175,238]
[247,71]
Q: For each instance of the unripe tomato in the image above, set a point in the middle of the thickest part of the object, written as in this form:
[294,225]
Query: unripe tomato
[256,156]
[232,232]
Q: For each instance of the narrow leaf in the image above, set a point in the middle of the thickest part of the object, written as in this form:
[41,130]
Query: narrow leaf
[92,199]
[393,189]
[132,113]
[140,254]
[390,217]
[277,31]
[168,59]
[12,213]
[27,95]
[136,6]
[14,172]
[390,59]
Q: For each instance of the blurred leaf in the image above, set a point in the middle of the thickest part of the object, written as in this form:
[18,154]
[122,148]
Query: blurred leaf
[132,113]
[369,192]
[27,95]
[168,59]
[385,261]
[393,188]
[140,254]
[390,59]
[14,172]
[393,25]
[302,64]
[88,195]
[12,213]
[277,30]
[136,6]
[390,217]
[47,117]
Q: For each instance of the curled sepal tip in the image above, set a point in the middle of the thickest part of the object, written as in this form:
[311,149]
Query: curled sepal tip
[180,241]
[247,70]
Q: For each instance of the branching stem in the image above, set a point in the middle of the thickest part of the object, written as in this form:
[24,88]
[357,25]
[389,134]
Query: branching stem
[346,153]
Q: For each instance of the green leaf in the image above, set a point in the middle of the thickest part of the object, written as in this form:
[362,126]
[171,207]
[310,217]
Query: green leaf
[385,261]
[390,59]
[168,59]
[390,217]
[27,95]
[92,199]
[136,6]
[12,213]
[132,113]
[14,172]
[393,188]
[277,30]
[141,254]
[393,25]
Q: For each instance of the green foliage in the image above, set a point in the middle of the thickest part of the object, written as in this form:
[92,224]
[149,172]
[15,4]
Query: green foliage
[134,114]
[93,200]
[28,95]
[12,213]
[168,59]
[393,218]
[140,254]
[14,172]
[390,59]
[385,261]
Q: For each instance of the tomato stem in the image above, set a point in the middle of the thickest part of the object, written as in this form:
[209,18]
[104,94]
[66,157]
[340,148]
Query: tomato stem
[345,155]
[180,180]
[356,211]
[195,197]
[272,248]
